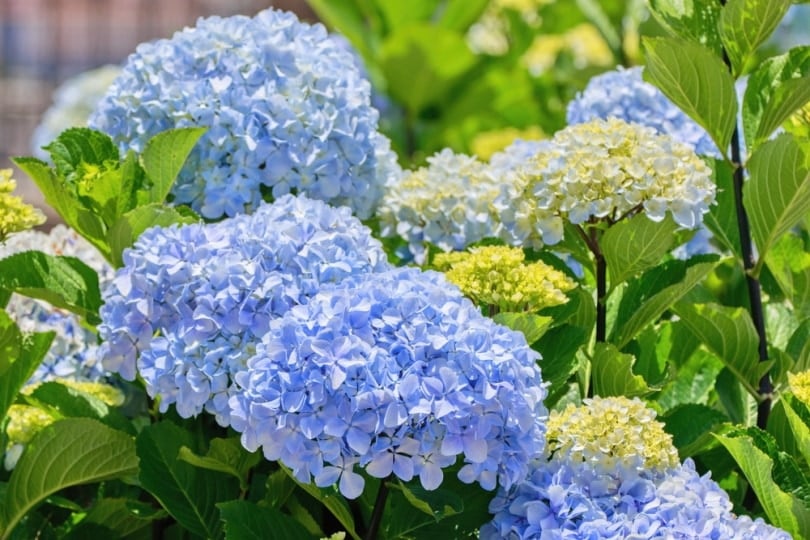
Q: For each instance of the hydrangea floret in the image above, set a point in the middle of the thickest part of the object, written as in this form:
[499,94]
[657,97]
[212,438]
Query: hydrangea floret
[446,203]
[498,276]
[73,103]
[287,111]
[74,351]
[395,373]
[15,215]
[191,302]
[799,384]
[611,472]
[603,170]
[625,95]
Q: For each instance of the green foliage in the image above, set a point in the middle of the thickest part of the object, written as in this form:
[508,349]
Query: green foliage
[81,449]
[784,509]
[104,198]
[189,494]
[777,196]
[745,25]
[696,81]
[245,520]
[19,358]
[64,282]
[226,456]
[691,20]
[634,245]
[776,88]
[613,373]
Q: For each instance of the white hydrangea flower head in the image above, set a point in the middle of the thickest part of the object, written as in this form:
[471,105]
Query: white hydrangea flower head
[603,170]
[448,204]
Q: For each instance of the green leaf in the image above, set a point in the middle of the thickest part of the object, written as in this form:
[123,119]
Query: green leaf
[559,347]
[653,293]
[350,18]
[130,226]
[459,15]
[690,20]
[729,333]
[767,102]
[421,64]
[332,501]
[56,194]
[123,517]
[532,326]
[25,355]
[612,373]
[722,217]
[188,493]
[689,424]
[798,425]
[437,504]
[596,15]
[79,145]
[697,81]
[64,282]
[227,456]
[693,382]
[745,25]
[777,196]
[783,509]
[245,520]
[635,245]
[66,453]
[63,401]
[164,156]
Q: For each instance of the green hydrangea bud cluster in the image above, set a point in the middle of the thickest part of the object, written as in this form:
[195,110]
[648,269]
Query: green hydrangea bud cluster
[499,276]
[613,431]
[15,215]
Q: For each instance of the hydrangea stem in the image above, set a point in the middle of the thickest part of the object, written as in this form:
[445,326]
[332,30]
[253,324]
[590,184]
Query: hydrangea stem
[379,509]
[752,282]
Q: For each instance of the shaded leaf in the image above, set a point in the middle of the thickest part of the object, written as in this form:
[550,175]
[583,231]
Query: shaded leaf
[745,25]
[691,20]
[635,245]
[224,455]
[66,453]
[612,373]
[245,520]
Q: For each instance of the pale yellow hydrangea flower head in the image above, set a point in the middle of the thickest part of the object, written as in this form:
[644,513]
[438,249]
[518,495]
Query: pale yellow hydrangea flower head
[612,431]
[498,276]
[15,215]
[800,386]
[603,170]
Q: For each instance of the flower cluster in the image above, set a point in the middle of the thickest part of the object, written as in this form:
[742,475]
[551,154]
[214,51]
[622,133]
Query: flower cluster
[498,276]
[603,484]
[25,421]
[287,111]
[15,215]
[603,170]
[616,431]
[623,94]
[73,103]
[447,204]
[74,352]
[395,373]
[191,302]
[800,386]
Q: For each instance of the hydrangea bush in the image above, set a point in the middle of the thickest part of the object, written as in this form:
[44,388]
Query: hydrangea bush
[273,365]
[287,110]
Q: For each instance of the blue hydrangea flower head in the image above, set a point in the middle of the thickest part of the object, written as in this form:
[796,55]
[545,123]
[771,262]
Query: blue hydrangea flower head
[623,94]
[74,352]
[191,302]
[287,111]
[394,373]
[610,471]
